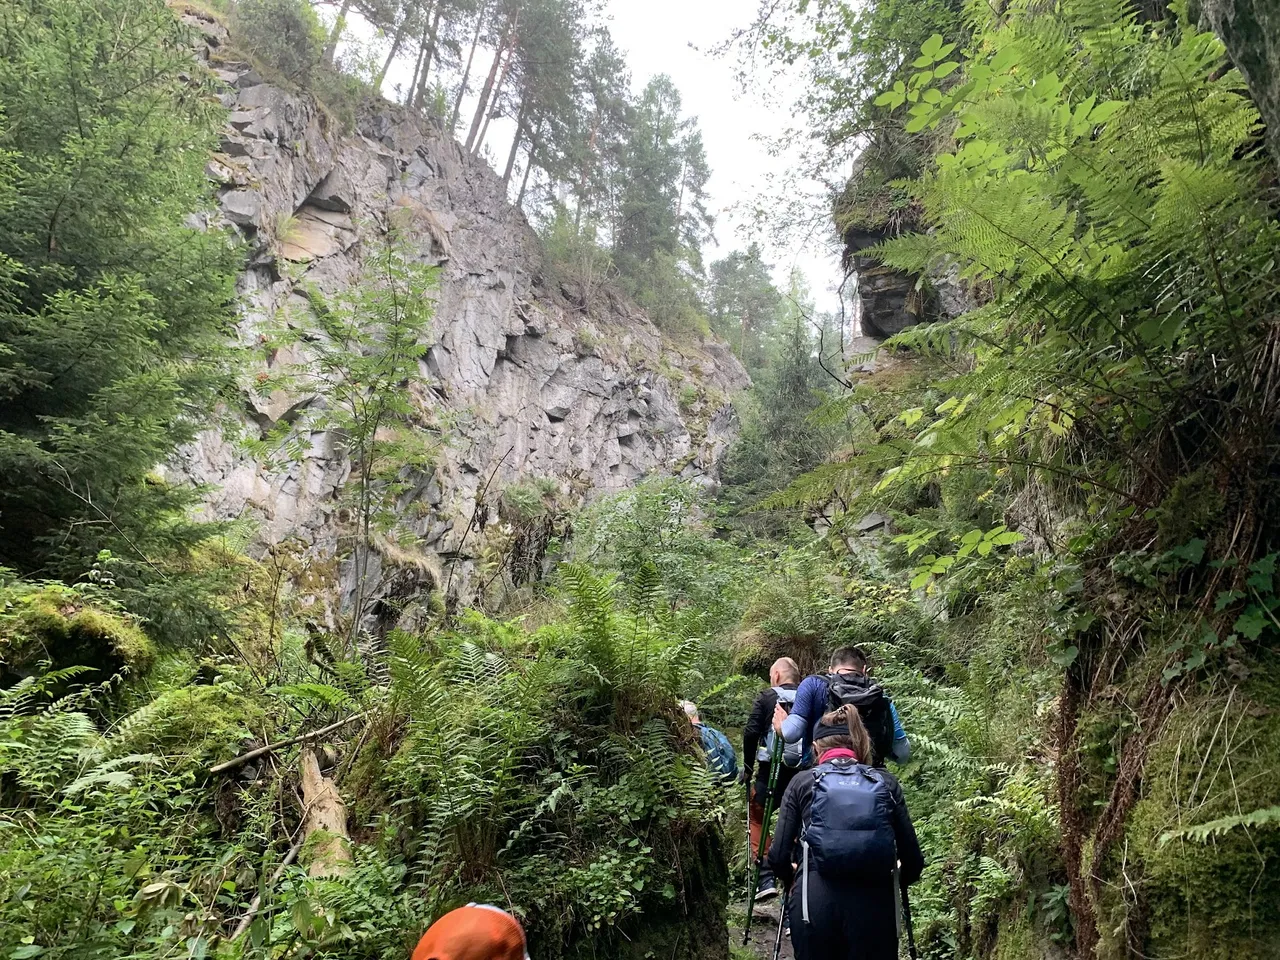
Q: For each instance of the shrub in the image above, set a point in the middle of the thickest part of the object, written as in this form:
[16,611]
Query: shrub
[284,34]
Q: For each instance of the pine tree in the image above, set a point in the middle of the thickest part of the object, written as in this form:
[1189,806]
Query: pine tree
[744,306]
[112,310]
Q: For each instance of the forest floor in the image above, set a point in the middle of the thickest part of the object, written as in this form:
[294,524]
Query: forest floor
[763,930]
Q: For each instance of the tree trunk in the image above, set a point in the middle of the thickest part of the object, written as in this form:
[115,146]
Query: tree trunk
[528,167]
[486,91]
[386,64]
[417,72]
[585,173]
[466,73]
[515,145]
[510,53]
[432,33]
[326,819]
[331,49]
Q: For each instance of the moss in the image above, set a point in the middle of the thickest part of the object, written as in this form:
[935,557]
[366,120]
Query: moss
[206,721]
[1015,938]
[134,648]
[55,624]
[1218,757]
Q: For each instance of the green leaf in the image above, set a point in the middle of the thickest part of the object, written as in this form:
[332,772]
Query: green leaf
[1263,573]
[1251,623]
[1105,111]
[1066,656]
[1192,551]
[945,69]
[932,47]
[1225,598]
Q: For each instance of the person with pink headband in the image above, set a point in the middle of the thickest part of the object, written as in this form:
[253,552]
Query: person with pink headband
[845,836]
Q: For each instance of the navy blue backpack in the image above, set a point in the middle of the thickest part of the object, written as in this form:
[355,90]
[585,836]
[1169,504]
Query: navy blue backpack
[849,834]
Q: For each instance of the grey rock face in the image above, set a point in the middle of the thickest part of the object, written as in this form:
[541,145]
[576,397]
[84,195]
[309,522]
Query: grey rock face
[1251,31]
[890,301]
[530,385]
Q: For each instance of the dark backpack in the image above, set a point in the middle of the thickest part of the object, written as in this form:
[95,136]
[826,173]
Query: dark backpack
[849,834]
[867,695]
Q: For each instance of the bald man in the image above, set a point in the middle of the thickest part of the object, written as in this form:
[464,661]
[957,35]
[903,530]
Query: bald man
[784,678]
[474,932]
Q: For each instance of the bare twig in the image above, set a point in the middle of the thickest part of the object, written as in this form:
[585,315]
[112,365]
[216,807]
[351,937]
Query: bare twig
[272,747]
[256,903]
[480,495]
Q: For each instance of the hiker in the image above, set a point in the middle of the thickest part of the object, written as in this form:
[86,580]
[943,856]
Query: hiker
[474,932]
[845,828]
[848,682]
[719,750]
[758,739]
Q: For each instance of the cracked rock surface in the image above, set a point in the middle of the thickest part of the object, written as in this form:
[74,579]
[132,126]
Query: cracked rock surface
[530,384]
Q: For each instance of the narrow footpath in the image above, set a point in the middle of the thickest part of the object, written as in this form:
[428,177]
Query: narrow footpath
[763,930]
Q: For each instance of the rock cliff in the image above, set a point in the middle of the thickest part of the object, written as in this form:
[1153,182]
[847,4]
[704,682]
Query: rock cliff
[533,383]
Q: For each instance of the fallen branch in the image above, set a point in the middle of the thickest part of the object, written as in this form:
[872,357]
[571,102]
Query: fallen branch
[272,747]
[256,902]
[324,824]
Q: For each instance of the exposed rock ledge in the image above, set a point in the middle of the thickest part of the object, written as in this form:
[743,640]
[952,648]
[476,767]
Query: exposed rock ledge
[532,384]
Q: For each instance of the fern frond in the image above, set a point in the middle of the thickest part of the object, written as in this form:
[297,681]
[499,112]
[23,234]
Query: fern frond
[1204,832]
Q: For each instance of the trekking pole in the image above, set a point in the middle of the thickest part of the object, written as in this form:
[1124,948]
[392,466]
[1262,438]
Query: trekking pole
[906,919]
[782,920]
[753,881]
[748,828]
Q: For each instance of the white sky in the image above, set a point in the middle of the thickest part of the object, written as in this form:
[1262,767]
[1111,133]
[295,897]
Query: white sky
[669,36]
[666,36]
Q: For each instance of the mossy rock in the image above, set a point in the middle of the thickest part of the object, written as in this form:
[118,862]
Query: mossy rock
[207,721]
[1217,899]
[54,625]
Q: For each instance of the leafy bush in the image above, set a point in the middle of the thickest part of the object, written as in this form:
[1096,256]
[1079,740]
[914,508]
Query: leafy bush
[284,34]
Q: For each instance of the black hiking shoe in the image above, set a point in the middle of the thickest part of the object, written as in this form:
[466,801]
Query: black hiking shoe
[767,890]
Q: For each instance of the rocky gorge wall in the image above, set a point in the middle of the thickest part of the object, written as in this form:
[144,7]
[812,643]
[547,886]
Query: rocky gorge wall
[522,381]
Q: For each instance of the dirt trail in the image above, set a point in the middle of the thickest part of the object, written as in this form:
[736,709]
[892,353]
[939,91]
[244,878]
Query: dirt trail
[763,930]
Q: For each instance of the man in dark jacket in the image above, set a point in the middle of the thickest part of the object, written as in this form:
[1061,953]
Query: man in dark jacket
[813,698]
[783,675]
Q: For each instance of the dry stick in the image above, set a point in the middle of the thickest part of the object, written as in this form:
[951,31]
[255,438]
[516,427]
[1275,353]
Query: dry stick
[272,747]
[474,513]
[256,902]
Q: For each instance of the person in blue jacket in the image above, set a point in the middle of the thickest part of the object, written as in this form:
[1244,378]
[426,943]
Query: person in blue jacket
[719,751]
[847,683]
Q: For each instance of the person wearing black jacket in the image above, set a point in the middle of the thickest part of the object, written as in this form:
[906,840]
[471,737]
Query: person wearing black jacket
[785,674]
[847,919]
